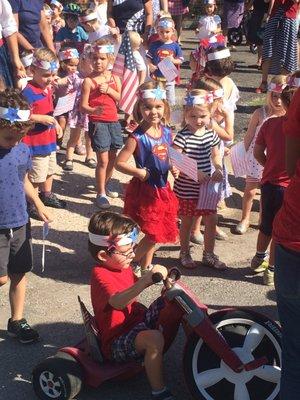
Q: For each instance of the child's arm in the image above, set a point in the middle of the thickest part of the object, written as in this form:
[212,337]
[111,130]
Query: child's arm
[142,76]
[217,176]
[121,299]
[122,162]
[193,63]
[225,133]
[259,154]
[47,120]
[34,198]
[106,89]
[253,123]
[84,102]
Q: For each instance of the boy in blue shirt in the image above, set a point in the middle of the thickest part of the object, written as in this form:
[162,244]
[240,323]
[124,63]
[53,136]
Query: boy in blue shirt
[72,32]
[15,187]
[163,48]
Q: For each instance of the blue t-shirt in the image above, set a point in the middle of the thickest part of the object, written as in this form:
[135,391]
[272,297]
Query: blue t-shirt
[29,12]
[78,35]
[14,164]
[159,50]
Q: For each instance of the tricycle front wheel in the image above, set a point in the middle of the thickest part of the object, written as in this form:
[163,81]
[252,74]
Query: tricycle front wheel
[251,336]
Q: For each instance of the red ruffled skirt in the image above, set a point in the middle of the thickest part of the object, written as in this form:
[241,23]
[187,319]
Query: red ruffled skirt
[154,209]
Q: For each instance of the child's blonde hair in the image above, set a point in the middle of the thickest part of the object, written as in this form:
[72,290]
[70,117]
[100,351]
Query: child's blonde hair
[45,54]
[277,80]
[289,91]
[135,39]
[137,115]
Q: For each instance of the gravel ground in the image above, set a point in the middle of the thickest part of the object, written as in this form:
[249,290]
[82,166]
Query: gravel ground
[51,304]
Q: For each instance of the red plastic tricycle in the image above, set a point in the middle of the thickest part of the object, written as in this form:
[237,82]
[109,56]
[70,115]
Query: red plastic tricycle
[232,354]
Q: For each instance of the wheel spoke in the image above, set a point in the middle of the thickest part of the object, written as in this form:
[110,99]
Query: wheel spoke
[241,392]
[209,377]
[253,338]
[268,373]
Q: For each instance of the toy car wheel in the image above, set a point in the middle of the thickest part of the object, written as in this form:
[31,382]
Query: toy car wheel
[251,336]
[57,378]
[235,36]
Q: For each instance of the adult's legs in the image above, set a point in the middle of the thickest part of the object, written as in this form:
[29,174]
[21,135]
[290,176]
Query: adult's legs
[178,25]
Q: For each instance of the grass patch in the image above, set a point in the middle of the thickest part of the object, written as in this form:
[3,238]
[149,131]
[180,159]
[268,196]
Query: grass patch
[257,102]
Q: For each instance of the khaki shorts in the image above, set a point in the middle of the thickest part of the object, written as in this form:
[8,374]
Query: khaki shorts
[42,166]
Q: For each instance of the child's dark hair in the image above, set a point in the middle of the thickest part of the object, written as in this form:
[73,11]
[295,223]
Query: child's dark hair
[221,67]
[12,98]
[208,84]
[108,223]
[289,91]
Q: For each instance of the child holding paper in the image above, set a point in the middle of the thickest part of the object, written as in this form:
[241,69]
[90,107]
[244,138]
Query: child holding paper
[165,49]
[198,141]
[149,199]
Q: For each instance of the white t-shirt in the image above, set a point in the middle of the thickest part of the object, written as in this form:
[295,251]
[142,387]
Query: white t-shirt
[101,11]
[139,61]
[207,25]
[8,24]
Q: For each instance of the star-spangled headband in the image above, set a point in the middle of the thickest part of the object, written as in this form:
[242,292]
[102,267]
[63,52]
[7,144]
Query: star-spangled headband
[165,23]
[103,48]
[88,17]
[112,241]
[27,60]
[57,4]
[155,94]
[68,54]
[209,2]
[218,94]
[14,114]
[276,87]
[293,81]
[218,55]
[198,100]
[47,65]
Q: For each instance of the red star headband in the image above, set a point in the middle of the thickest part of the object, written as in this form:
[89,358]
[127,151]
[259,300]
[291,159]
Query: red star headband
[68,54]
[112,241]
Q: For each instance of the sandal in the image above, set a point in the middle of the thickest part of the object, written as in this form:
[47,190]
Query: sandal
[212,260]
[68,165]
[91,163]
[263,87]
[186,260]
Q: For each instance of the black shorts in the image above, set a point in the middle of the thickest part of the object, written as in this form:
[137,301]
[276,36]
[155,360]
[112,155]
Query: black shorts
[15,250]
[271,202]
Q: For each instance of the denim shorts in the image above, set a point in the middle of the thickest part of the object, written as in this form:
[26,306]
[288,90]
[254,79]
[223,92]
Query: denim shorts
[271,202]
[105,136]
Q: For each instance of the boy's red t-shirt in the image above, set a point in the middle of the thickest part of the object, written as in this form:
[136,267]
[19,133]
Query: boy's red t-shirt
[286,226]
[272,138]
[113,323]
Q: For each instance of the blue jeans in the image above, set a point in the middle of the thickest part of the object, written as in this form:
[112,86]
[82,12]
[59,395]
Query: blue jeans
[287,285]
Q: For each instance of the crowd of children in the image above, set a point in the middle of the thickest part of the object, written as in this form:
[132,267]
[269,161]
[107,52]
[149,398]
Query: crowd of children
[78,88]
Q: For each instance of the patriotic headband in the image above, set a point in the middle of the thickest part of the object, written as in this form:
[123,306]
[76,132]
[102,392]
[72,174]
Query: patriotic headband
[68,54]
[88,17]
[218,94]
[14,114]
[218,55]
[112,241]
[198,100]
[27,60]
[57,4]
[293,81]
[209,2]
[48,13]
[103,48]
[165,23]
[155,94]
[47,65]
[276,87]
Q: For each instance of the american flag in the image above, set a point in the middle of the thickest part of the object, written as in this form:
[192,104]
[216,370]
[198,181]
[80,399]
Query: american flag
[209,195]
[238,158]
[125,68]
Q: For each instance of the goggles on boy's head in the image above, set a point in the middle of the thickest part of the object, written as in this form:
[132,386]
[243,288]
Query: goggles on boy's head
[103,48]
[89,17]
[112,241]
[12,114]
[218,94]
[155,94]
[218,55]
[27,60]
[56,4]
[68,54]
[47,65]
[165,23]
[276,87]
[293,81]
[198,100]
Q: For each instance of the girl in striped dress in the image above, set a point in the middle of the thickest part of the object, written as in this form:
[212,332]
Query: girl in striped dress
[200,142]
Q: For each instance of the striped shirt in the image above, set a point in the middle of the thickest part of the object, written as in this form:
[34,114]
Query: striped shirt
[198,148]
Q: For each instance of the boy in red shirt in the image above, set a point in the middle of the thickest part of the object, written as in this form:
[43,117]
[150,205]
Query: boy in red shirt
[269,151]
[127,327]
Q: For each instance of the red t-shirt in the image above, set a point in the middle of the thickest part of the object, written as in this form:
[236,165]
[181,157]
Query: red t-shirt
[113,323]
[271,137]
[109,107]
[290,8]
[286,226]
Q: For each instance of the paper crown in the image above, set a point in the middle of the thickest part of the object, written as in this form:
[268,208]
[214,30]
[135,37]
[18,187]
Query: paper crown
[89,17]
[276,87]
[198,100]
[68,54]
[293,81]
[103,48]
[14,114]
[209,2]
[27,60]
[218,55]
[155,94]
[112,241]
[56,4]
[47,65]
[165,23]
[218,94]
